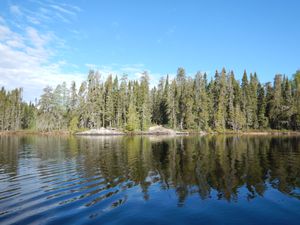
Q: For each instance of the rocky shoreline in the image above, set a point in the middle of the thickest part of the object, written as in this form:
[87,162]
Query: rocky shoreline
[153,131]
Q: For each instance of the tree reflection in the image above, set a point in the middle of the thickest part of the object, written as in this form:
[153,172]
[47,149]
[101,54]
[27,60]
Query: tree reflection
[224,167]
[189,165]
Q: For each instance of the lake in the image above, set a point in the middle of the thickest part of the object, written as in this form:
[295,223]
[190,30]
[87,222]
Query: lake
[150,180]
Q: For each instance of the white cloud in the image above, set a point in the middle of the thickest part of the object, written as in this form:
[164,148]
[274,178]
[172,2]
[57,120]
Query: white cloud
[62,10]
[37,39]
[33,20]
[4,32]
[27,51]
[25,62]
[27,56]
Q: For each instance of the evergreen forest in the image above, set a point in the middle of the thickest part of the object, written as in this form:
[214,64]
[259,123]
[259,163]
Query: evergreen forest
[220,104]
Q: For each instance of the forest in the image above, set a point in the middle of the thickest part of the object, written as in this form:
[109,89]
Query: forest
[220,104]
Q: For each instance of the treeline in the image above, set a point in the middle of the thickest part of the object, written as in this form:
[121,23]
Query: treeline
[221,104]
[14,113]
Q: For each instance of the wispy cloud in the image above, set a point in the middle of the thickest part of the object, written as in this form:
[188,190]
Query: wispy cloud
[62,10]
[46,12]
[29,49]
[28,52]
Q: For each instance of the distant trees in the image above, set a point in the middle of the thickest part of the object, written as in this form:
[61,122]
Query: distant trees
[221,104]
[14,113]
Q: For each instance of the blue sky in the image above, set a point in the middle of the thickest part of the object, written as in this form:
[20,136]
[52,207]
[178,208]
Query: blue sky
[46,42]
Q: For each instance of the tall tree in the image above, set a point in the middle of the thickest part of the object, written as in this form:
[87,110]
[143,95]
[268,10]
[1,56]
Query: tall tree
[261,108]
[144,110]
[181,96]
[276,103]
[230,103]
[109,102]
[172,106]
[220,101]
[201,102]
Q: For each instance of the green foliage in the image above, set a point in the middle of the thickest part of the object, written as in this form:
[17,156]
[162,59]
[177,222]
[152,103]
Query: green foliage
[132,118]
[73,125]
[11,109]
[180,103]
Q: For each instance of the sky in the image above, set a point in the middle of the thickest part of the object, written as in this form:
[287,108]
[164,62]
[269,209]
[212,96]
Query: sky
[46,42]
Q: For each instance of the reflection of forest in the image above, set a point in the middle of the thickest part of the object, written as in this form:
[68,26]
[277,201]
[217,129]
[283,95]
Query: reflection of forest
[199,164]
[223,164]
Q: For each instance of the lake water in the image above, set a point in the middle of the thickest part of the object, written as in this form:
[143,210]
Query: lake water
[150,180]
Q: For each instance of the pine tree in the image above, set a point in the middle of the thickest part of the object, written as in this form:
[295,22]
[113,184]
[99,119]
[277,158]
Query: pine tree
[189,119]
[46,119]
[239,118]
[230,103]
[109,102]
[296,101]
[276,103]
[133,122]
[246,102]
[172,106]
[220,101]
[201,102]
[73,98]
[82,105]
[28,116]
[253,89]
[180,96]
[145,111]
[184,103]
[123,100]
[116,103]
[261,108]
[287,105]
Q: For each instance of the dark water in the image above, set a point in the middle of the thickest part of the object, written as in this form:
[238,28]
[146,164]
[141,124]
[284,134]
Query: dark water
[149,180]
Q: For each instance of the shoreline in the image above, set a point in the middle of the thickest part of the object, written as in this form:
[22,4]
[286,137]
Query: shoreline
[141,133]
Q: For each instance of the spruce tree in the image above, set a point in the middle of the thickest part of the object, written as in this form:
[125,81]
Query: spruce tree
[220,102]
[261,108]
[145,111]
[109,102]
[230,116]
[201,102]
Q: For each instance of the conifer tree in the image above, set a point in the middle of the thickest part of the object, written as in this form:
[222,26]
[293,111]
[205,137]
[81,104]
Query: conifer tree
[287,105]
[220,101]
[133,122]
[181,96]
[253,89]
[276,103]
[109,102]
[189,100]
[230,102]
[201,102]
[246,102]
[261,108]
[145,111]
[172,105]
[296,102]
[180,103]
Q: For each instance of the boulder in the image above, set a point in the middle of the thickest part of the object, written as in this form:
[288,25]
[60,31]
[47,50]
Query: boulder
[101,131]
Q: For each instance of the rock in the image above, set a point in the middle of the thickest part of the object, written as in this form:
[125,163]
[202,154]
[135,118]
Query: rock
[101,131]
[160,130]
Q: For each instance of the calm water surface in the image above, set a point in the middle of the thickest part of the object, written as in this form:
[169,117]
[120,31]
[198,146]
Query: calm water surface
[149,180]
